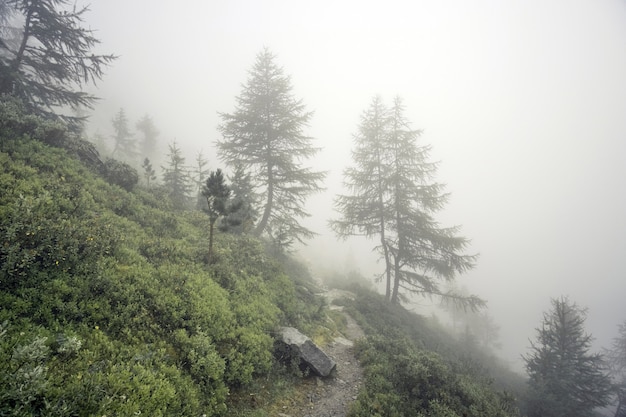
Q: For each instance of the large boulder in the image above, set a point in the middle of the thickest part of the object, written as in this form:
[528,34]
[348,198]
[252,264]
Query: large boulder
[310,354]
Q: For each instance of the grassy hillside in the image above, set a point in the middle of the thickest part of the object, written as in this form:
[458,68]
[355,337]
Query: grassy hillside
[108,304]
[110,307]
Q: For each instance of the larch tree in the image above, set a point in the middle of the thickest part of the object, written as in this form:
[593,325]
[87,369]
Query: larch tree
[265,135]
[566,379]
[392,198]
[424,253]
[366,210]
[46,57]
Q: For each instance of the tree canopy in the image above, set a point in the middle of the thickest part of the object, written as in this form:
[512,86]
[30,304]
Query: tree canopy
[46,56]
[265,135]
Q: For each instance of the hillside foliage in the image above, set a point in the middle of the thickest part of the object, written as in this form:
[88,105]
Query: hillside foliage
[108,304]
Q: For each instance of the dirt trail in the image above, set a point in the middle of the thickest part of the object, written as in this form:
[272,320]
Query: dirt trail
[331,397]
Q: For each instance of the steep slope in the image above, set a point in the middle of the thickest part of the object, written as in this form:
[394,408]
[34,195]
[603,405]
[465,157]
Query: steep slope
[108,304]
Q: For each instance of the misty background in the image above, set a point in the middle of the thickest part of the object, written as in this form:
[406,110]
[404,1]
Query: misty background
[523,103]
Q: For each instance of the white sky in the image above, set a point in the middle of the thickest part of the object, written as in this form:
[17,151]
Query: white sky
[523,102]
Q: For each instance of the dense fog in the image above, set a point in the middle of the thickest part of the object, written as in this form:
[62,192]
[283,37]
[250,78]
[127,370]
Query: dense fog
[523,103]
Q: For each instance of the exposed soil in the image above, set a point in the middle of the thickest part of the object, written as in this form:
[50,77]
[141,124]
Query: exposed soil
[332,396]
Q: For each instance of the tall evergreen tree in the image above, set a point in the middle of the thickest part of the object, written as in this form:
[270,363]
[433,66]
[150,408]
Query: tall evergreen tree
[265,134]
[424,253]
[366,210]
[48,58]
[176,177]
[566,379]
[124,146]
[393,198]
[149,133]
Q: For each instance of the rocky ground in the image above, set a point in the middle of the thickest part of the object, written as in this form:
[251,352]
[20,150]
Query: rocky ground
[332,396]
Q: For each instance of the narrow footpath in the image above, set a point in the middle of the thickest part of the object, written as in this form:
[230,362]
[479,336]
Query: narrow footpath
[331,397]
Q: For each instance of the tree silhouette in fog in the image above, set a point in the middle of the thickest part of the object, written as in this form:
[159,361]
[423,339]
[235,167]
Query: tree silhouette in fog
[265,135]
[393,197]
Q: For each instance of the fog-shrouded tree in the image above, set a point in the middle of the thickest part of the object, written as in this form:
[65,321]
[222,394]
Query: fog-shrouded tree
[124,144]
[176,177]
[200,171]
[366,210]
[565,377]
[424,253]
[149,173]
[265,135]
[393,197]
[148,139]
[616,358]
[47,56]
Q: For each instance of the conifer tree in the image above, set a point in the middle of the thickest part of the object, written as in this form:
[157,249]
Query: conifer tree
[265,134]
[176,177]
[124,146]
[366,210]
[47,58]
[200,171]
[424,253]
[149,133]
[217,194]
[392,197]
[566,379]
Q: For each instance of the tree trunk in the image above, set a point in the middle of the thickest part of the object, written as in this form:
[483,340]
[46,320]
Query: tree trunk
[268,205]
[396,280]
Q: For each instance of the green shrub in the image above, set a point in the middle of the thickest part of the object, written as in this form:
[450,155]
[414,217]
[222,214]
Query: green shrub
[120,173]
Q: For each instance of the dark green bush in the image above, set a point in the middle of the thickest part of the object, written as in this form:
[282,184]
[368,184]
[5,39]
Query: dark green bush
[120,173]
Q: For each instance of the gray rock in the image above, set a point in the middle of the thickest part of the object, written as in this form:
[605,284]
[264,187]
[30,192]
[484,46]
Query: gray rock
[310,354]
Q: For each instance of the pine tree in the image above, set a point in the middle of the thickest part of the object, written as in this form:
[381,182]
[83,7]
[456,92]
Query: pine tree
[176,177]
[566,379]
[265,135]
[48,59]
[392,198]
[149,133]
[125,146]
